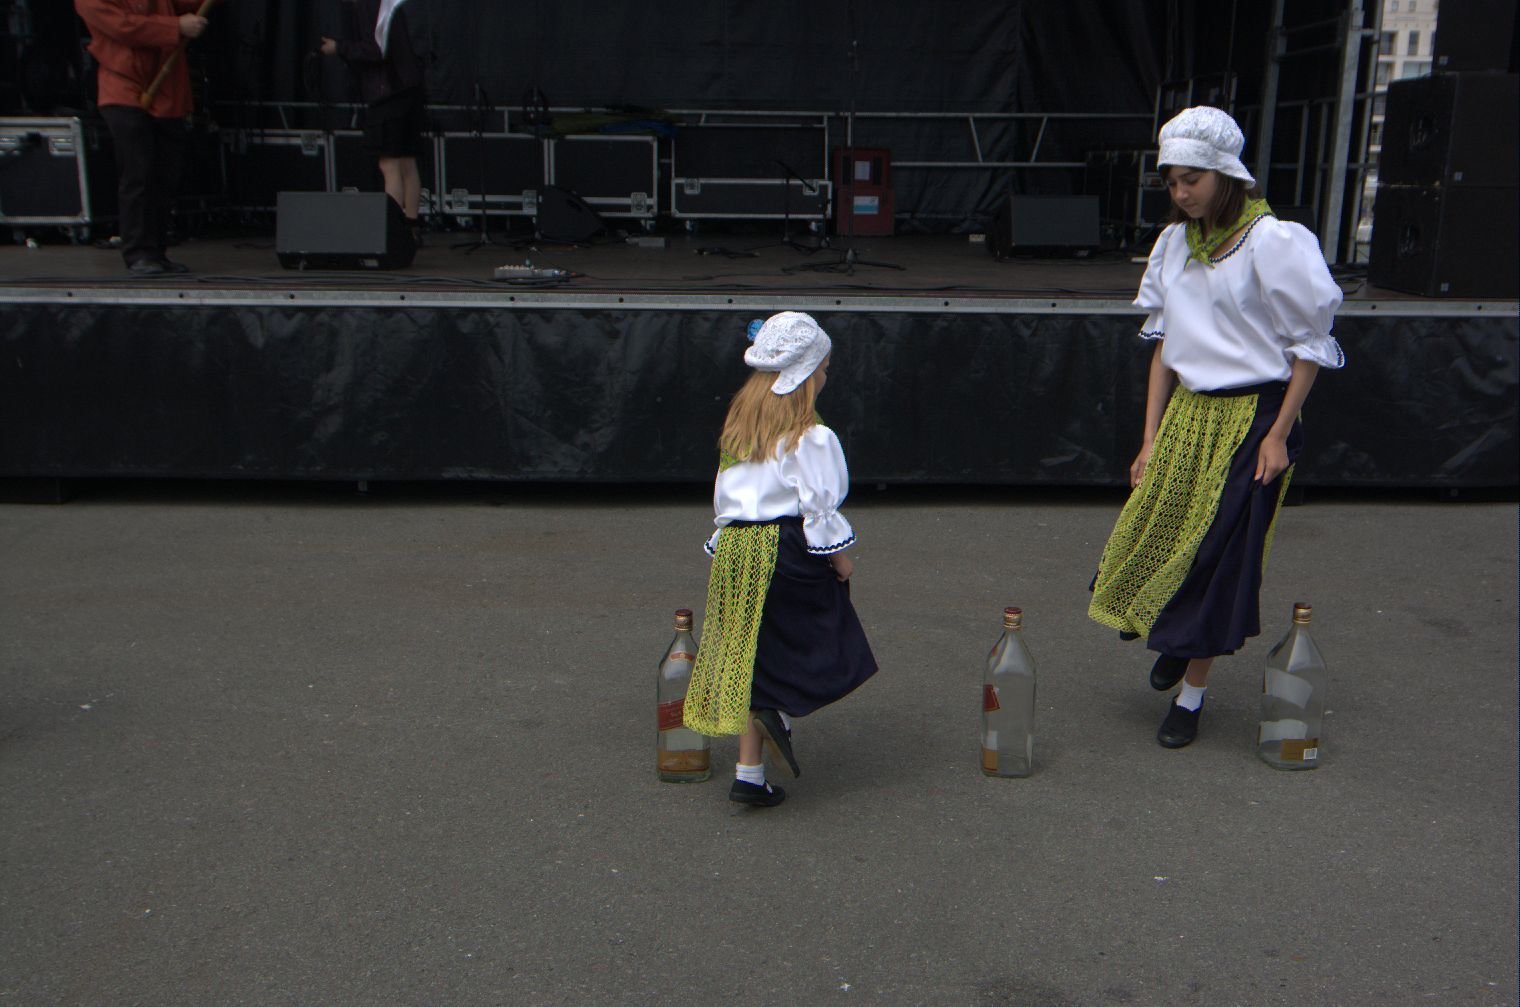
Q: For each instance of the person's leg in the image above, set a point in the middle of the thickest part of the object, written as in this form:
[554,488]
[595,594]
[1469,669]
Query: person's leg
[1180,727]
[750,745]
[1198,672]
[750,786]
[411,188]
[395,186]
[132,137]
[169,141]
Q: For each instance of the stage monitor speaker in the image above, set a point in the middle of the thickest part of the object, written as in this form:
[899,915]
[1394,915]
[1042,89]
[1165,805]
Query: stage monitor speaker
[341,230]
[1452,129]
[1476,35]
[1045,224]
[1446,242]
[564,216]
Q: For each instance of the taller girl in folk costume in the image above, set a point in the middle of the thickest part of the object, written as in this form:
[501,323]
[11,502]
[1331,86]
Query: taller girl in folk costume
[780,638]
[1241,305]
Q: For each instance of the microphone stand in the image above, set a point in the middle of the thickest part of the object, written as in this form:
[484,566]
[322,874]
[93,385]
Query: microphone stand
[479,109]
[811,188]
[847,262]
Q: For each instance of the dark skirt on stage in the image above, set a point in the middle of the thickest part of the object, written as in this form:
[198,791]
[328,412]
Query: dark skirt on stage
[811,649]
[1216,606]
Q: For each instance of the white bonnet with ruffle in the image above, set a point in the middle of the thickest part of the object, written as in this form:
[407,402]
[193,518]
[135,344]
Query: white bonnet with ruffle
[790,343]
[1204,137]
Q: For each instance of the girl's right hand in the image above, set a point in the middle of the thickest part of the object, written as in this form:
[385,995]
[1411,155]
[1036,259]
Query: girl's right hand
[1137,467]
[329,47]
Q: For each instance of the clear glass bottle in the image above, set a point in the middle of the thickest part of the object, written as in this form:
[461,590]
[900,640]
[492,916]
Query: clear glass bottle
[1008,703]
[1292,729]
[682,755]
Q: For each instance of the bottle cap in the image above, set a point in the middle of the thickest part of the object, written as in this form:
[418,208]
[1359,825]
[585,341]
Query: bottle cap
[683,618]
[1302,611]
[1013,618]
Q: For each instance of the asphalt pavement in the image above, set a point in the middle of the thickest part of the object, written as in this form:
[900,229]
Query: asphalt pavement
[272,744]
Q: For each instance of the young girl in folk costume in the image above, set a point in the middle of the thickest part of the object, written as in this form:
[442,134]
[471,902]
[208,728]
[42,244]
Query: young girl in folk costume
[780,638]
[1241,305]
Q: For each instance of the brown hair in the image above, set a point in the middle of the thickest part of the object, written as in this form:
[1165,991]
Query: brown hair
[1229,199]
[758,419]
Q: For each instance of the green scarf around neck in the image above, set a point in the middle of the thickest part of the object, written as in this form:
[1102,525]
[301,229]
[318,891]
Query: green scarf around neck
[1203,248]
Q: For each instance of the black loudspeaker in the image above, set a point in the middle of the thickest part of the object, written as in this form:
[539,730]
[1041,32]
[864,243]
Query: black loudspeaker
[564,216]
[1452,129]
[341,230]
[1476,35]
[1042,224]
[1459,242]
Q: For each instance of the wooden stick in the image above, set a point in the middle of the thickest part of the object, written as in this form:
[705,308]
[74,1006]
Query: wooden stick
[146,100]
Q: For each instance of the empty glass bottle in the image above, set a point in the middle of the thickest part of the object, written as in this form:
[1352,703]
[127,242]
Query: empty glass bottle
[1008,703]
[682,755]
[1292,729]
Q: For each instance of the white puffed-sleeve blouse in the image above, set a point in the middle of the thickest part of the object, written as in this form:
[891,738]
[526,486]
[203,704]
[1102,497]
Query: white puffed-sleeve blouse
[1267,299]
[809,481]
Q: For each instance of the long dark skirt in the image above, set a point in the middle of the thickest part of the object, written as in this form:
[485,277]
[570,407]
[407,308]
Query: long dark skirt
[1218,608]
[812,649]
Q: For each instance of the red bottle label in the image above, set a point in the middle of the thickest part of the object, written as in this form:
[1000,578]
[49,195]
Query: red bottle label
[670,714]
[680,655]
[989,699]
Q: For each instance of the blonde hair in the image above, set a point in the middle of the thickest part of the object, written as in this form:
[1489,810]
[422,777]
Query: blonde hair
[759,419]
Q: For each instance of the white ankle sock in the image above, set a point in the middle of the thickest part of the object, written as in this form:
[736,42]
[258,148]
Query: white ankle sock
[1191,696]
[750,774]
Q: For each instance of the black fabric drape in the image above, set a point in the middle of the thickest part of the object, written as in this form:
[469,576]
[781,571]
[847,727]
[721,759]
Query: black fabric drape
[358,392]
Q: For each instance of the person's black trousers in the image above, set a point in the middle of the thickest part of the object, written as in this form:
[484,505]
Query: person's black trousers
[149,153]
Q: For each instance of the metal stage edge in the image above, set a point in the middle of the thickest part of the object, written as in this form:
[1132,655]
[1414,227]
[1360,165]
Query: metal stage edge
[508,299]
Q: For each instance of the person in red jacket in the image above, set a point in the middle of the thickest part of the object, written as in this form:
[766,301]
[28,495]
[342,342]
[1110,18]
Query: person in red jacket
[131,40]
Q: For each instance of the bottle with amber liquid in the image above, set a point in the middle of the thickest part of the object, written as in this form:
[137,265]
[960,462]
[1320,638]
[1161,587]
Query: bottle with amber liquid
[682,755]
[1008,703]
[1292,729]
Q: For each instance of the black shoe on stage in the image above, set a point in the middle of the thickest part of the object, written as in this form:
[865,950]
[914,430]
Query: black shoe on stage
[778,740]
[147,267]
[1179,728]
[1167,672]
[760,797]
[173,267]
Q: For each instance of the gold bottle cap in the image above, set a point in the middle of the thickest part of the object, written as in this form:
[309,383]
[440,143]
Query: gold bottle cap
[1302,611]
[683,618]
[1013,618]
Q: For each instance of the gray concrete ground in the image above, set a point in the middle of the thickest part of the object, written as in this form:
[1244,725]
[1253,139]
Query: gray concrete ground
[263,745]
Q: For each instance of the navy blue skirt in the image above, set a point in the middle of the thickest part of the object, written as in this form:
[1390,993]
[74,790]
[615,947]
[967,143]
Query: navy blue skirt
[812,649]
[1218,606]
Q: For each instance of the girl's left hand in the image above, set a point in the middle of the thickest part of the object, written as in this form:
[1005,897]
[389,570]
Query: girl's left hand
[1272,460]
[842,564]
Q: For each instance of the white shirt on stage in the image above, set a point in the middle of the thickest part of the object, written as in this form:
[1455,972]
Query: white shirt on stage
[810,481]
[1266,300]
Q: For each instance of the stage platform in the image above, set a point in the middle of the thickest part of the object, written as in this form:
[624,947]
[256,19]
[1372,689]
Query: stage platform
[950,367]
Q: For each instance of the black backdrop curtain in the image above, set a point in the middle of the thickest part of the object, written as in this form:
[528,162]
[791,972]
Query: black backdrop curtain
[839,57]
[897,55]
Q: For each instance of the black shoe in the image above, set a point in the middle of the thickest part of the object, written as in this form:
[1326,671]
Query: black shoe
[1179,728]
[761,797]
[147,267]
[778,740]
[173,267]
[1167,672]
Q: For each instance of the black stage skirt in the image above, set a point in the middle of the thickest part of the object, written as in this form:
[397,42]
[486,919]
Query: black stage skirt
[811,649]
[1218,606]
